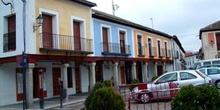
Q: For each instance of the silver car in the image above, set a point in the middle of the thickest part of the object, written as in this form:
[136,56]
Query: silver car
[214,73]
[162,87]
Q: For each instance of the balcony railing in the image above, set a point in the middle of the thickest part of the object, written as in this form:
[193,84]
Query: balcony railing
[9,42]
[115,48]
[167,53]
[141,51]
[162,52]
[152,51]
[65,42]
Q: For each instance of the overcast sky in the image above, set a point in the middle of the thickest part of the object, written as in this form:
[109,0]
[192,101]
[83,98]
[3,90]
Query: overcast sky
[183,18]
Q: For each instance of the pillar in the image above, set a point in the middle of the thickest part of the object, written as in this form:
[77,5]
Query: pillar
[134,74]
[65,81]
[144,74]
[164,67]
[155,67]
[115,75]
[29,84]
[92,75]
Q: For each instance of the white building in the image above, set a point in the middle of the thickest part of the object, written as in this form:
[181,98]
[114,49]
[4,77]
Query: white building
[191,58]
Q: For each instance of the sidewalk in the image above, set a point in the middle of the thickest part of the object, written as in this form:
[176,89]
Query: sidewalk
[49,103]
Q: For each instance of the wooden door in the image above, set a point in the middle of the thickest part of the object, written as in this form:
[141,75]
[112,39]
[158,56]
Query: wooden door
[77,79]
[159,70]
[77,40]
[122,41]
[105,39]
[11,33]
[139,45]
[56,74]
[98,71]
[47,31]
[122,75]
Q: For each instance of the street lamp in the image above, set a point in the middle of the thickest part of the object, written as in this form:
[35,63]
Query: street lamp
[40,20]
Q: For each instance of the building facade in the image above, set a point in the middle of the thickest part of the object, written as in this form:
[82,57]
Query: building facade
[191,58]
[77,45]
[210,40]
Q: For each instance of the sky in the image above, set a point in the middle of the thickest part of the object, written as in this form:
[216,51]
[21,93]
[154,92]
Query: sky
[183,18]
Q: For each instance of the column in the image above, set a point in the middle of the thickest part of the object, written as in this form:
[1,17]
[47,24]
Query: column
[155,68]
[29,84]
[92,75]
[65,81]
[144,74]
[115,75]
[134,74]
[164,67]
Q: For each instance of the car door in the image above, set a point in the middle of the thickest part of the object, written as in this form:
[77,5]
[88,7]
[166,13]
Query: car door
[161,85]
[187,78]
[214,73]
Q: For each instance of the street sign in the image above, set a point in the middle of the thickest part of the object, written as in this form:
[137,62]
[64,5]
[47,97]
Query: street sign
[24,61]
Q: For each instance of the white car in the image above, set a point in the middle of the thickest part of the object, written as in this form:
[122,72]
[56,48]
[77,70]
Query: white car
[162,87]
[214,73]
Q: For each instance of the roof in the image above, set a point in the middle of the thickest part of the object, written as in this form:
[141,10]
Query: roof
[178,43]
[212,27]
[188,54]
[85,2]
[107,17]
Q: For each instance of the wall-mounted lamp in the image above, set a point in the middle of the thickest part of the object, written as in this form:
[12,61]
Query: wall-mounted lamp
[39,22]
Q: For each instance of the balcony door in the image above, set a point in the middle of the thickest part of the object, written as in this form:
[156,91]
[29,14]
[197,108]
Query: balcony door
[139,45]
[122,41]
[10,37]
[47,31]
[105,39]
[76,30]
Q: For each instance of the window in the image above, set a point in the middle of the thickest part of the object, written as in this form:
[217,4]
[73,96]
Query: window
[207,63]
[9,38]
[186,76]
[139,45]
[202,70]
[168,78]
[159,47]
[216,62]
[166,50]
[213,71]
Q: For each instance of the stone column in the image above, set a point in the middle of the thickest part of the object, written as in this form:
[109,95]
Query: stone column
[144,74]
[156,69]
[164,67]
[115,75]
[65,81]
[92,75]
[134,74]
[29,86]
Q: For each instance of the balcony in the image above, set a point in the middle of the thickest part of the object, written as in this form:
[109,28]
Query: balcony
[115,49]
[141,52]
[152,52]
[161,52]
[64,43]
[167,53]
[9,42]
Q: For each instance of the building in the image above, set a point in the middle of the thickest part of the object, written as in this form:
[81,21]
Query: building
[191,58]
[55,49]
[210,40]
[78,45]
[178,54]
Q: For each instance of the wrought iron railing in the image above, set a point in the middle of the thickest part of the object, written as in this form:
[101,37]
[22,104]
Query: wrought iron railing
[167,53]
[141,50]
[115,48]
[65,42]
[9,42]
[162,52]
[152,52]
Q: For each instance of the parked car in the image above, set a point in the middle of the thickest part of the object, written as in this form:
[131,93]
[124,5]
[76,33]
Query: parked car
[162,87]
[206,66]
[214,73]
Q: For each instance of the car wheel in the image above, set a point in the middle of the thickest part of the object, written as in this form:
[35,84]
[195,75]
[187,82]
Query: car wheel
[217,84]
[144,98]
